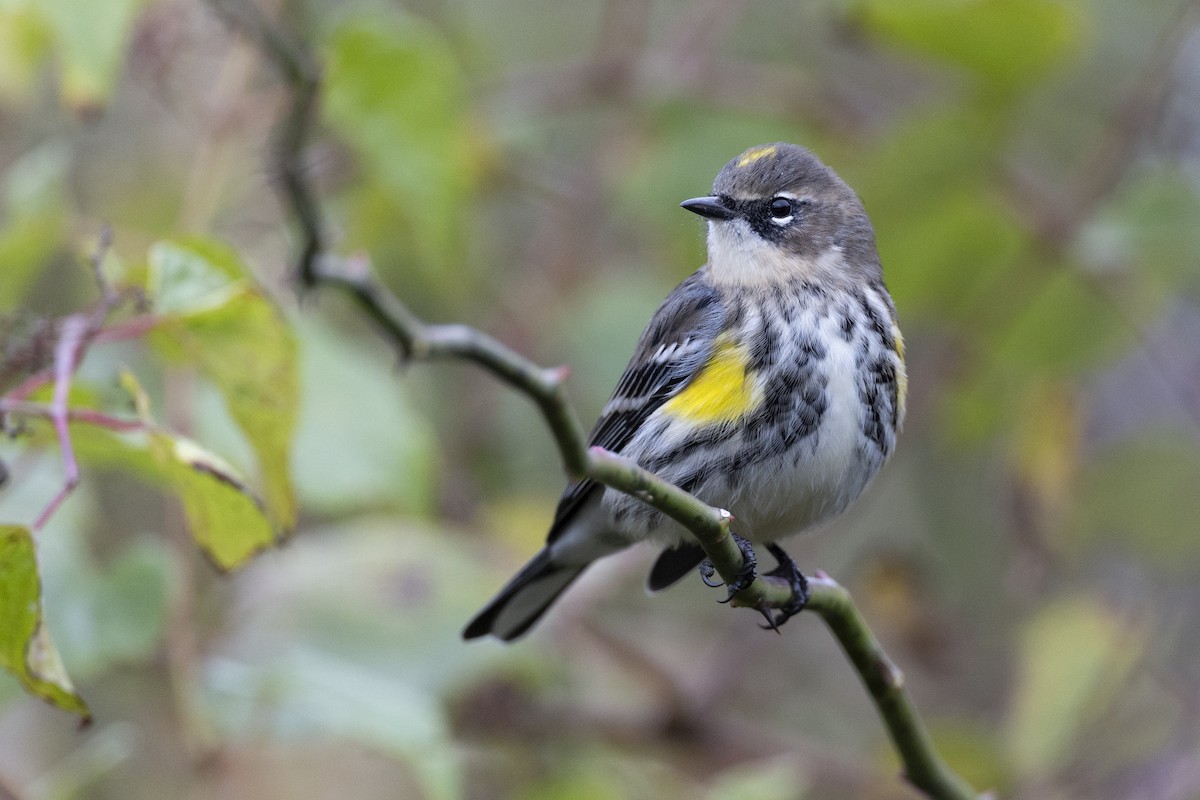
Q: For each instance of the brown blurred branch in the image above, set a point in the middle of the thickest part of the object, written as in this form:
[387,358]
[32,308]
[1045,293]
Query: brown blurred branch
[1057,219]
[416,340]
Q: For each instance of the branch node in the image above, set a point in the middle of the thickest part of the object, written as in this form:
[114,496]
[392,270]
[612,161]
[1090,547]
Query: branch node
[893,676]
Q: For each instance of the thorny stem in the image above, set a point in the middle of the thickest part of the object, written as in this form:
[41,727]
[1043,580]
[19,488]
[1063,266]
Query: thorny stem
[415,340]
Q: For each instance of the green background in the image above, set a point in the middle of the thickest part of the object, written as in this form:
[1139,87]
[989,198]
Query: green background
[1030,557]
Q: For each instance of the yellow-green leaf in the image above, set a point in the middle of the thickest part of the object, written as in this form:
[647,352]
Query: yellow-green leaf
[779,778]
[224,516]
[91,41]
[227,328]
[26,649]
[395,91]
[185,276]
[1007,42]
[24,44]
[1073,656]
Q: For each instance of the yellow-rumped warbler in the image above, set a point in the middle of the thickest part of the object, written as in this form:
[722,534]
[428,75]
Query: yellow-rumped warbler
[770,383]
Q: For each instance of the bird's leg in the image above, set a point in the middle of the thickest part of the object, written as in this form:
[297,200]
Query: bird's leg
[787,570]
[745,576]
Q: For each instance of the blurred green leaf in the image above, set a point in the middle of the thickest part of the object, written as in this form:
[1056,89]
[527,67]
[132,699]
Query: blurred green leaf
[574,783]
[773,779]
[1143,492]
[942,260]
[224,516]
[942,150]
[1074,655]
[944,237]
[34,217]
[354,631]
[131,600]
[108,614]
[1149,225]
[192,274]
[981,35]
[388,594]
[395,92]
[91,43]
[304,693]
[360,442]
[26,649]
[226,327]
[1065,327]
[25,40]
[25,245]
[104,596]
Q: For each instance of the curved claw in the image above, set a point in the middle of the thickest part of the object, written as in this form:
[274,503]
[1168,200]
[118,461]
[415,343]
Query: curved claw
[707,570]
[771,625]
[788,570]
[749,567]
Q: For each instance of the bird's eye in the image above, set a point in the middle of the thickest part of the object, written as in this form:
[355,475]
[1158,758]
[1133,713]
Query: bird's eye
[781,207]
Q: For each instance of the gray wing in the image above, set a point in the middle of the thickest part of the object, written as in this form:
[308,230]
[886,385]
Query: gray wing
[676,342]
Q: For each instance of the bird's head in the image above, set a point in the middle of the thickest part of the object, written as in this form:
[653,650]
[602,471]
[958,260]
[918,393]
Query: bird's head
[776,213]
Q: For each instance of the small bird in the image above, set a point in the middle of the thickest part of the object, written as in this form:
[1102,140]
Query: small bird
[770,383]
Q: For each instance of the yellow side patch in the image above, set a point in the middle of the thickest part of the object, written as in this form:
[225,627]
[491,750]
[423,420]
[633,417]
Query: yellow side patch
[902,373]
[756,153]
[723,390]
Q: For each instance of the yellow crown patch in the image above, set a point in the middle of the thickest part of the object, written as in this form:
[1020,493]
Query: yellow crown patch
[755,154]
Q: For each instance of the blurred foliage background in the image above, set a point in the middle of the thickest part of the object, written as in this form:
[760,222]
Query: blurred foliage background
[1031,556]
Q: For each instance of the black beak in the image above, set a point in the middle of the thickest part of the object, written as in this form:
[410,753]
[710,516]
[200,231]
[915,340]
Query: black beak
[711,207]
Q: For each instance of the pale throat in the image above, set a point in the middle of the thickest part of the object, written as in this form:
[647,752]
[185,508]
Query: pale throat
[737,256]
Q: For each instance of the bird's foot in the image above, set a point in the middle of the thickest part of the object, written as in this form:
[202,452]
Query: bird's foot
[749,567]
[787,570]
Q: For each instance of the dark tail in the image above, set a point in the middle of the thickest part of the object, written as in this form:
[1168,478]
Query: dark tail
[673,564]
[523,601]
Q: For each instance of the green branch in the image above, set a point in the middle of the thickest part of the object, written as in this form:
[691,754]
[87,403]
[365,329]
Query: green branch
[416,340]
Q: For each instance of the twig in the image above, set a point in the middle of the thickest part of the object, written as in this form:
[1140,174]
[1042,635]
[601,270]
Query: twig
[67,352]
[88,415]
[75,333]
[885,682]
[415,340]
